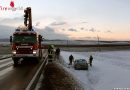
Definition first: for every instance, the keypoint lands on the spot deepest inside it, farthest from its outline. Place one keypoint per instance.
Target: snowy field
(83, 42)
(110, 70)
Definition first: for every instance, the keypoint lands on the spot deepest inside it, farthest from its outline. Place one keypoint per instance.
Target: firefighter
(90, 60)
(58, 52)
(51, 52)
(71, 58)
(50, 49)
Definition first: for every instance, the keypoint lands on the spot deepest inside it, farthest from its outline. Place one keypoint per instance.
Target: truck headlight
(34, 52)
(14, 52)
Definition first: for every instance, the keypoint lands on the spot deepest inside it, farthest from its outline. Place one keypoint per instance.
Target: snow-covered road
(110, 70)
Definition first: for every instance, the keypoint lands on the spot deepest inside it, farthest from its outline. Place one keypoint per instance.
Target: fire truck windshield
(24, 39)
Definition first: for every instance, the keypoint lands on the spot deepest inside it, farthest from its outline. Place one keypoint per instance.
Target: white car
(80, 64)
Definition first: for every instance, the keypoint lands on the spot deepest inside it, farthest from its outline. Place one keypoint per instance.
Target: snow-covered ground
(5, 56)
(110, 70)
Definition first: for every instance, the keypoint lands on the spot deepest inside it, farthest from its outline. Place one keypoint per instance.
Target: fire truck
(25, 41)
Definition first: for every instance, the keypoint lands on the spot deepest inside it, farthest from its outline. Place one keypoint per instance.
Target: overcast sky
(75, 19)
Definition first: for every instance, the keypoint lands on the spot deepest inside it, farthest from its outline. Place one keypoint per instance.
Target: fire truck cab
(25, 44)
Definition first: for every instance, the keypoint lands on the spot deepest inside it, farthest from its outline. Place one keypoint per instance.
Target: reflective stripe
(24, 55)
(24, 46)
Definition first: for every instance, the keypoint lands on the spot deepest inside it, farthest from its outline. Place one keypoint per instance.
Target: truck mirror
(10, 39)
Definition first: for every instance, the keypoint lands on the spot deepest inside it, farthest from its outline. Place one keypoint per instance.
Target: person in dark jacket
(58, 51)
(90, 60)
(71, 58)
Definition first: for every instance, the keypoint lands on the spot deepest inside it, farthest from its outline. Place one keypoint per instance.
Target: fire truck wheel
(15, 61)
(36, 60)
(40, 55)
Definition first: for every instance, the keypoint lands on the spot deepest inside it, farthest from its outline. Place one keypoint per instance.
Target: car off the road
(80, 64)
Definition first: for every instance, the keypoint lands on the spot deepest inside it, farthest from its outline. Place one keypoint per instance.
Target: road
(17, 78)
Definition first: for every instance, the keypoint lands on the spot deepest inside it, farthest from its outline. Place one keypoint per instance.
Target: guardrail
(33, 82)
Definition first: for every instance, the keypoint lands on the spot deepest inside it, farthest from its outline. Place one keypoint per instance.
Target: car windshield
(81, 61)
(24, 39)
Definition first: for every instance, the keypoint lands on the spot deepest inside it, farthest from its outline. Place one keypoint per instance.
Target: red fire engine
(25, 42)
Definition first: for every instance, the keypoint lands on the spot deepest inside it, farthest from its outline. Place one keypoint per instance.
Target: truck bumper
(24, 55)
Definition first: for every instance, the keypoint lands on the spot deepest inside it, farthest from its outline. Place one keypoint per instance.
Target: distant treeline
(4, 40)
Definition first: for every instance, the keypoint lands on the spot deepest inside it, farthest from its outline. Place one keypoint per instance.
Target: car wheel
(75, 68)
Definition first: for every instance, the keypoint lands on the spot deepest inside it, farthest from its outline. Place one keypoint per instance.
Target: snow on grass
(110, 70)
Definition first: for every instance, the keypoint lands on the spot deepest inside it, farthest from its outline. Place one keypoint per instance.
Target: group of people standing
(71, 59)
(52, 53)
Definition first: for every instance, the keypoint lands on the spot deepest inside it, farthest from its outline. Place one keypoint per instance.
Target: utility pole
(98, 43)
